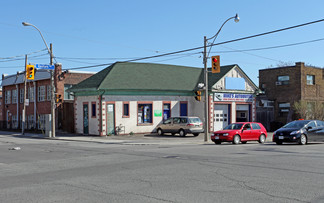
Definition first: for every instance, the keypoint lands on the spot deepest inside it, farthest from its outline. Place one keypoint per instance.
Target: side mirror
(309, 127)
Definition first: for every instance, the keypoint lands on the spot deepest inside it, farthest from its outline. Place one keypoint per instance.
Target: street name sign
(45, 66)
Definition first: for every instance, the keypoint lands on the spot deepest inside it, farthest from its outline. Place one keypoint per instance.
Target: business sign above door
(233, 97)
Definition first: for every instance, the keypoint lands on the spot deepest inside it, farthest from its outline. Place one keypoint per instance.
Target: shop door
(85, 119)
(166, 111)
(183, 109)
(110, 119)
(220, 117)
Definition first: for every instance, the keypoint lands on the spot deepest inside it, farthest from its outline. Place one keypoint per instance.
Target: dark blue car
(300, 131)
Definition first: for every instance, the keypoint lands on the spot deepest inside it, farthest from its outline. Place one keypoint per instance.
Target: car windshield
(296, 124)
(234, 126)
(194, 120)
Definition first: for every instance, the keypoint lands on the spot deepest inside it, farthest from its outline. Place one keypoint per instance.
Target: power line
(273, 47)
(201, 47)
(23, 55)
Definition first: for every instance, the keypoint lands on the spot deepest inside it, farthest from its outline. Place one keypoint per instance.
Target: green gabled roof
(130, 76)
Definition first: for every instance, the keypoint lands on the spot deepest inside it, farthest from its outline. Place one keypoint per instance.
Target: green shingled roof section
(93, 81)
(149, 77)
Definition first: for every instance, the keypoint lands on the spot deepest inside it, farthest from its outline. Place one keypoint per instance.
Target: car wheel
(262, 138)
(236, 139)
(244, 142)
(302, 140)
(159, 131)
(196, 134)
(182, 133)
(218, 142)
(279, 143)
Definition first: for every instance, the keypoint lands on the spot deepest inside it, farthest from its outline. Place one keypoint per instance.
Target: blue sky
(85, 33)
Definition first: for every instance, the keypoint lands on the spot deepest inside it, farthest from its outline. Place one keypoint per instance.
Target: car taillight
(190, 124)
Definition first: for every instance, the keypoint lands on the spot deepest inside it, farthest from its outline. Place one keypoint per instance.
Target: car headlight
(225, 134)
(295, 132)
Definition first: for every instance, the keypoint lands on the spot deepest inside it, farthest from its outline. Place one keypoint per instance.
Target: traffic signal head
(215, 64)
(198, 95)
(30, 72)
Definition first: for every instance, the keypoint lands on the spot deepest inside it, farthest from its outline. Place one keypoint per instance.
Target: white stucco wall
(195, 108)
(78, 109)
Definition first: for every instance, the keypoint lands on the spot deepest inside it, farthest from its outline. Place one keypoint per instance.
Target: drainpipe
(101, 116)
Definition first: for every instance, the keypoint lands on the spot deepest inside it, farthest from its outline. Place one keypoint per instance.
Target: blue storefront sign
(233, 97)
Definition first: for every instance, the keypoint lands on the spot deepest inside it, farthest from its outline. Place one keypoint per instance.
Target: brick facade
(295, 89)
(38, 107)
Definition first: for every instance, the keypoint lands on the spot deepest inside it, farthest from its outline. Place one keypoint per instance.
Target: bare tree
(309, 110)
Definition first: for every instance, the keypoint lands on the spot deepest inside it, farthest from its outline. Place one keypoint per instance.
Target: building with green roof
(136, 97)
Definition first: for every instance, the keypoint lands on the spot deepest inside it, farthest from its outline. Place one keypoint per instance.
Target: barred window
(21, 95)
(8, 97)
(41, 121)
(49, 93)
(14, 96)
(41, 93)
(31, 94)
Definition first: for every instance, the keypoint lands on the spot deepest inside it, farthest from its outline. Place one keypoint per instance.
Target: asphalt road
(135, 170)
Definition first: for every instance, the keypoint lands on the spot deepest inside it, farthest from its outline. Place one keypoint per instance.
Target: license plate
(281, 137)
(216, 137)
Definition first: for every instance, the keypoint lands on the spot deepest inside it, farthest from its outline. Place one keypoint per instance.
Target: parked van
(181, 125)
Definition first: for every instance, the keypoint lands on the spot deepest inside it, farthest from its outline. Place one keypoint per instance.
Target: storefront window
(144, 113)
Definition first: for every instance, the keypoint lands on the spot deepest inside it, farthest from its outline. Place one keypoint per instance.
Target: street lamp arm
(220, 29)
(236, 19)
(28, 24)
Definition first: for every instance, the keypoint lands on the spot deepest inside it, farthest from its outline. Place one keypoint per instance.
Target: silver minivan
(181, 125)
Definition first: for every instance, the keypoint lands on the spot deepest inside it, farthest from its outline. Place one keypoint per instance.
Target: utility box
(48, 126)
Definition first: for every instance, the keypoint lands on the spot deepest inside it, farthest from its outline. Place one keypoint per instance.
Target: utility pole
(25, 89)
(206, 90)
(52, 92)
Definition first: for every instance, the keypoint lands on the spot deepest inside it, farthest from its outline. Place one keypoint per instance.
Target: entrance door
(110, 119)
(166, 111)
(220, 117)
(183, 109)
(85, 119)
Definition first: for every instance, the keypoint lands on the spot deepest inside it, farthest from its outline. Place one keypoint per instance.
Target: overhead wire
(209, 45)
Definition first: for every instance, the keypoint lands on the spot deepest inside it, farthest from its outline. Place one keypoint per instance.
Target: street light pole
(205, 57)
(52, 79)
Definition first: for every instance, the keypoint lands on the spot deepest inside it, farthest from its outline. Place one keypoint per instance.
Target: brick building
(282, 87)
(39, 99)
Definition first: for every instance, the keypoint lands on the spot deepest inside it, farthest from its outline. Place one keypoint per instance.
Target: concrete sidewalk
(136, 139)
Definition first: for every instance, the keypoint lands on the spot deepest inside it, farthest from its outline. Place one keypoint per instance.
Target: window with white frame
(310, 79)
(8, 97)
(41, 93)
(68, 95)
(31, 94)
(30, 122)
(21, 95)
(41, 121)
(14, 122)
(283, 79)
(49, 93)
(14, 96)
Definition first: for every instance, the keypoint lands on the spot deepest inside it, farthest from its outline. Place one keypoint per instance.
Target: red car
(240, 132)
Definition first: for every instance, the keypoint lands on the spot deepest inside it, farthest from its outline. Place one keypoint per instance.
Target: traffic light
(58, 98)
(30, 72)
(198, 95)
(215, 64)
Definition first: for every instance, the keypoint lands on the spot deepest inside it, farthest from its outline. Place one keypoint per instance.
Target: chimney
(300, 64)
